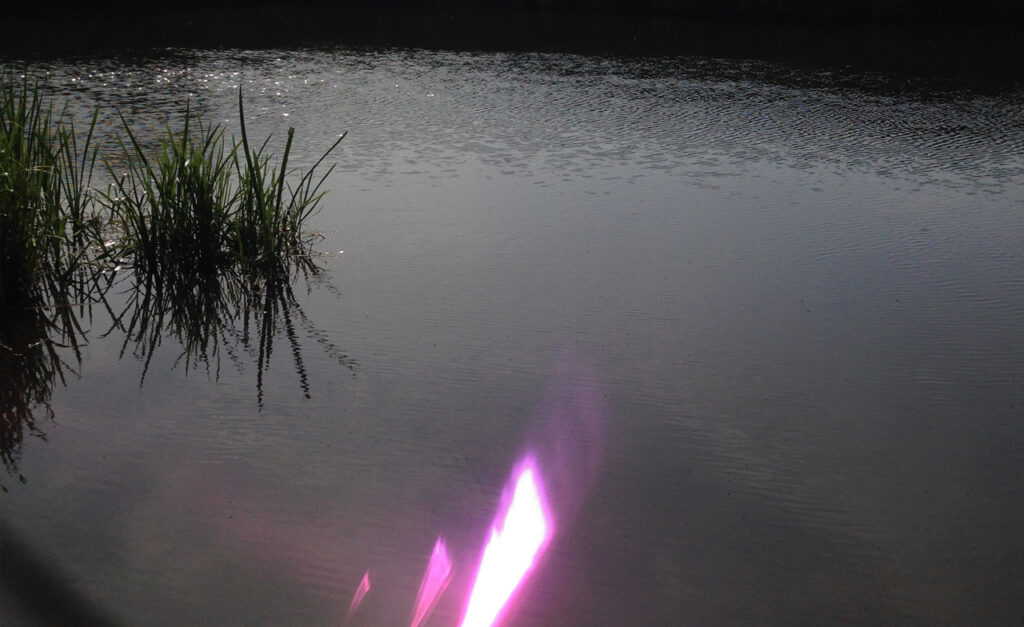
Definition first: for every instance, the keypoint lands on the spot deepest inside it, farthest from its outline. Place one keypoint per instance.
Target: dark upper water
(772, 317)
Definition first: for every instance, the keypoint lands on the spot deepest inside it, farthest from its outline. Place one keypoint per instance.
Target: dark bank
(968, 45)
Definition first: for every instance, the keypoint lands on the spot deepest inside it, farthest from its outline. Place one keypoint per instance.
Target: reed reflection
(209, 312)
(205, 235)
(41, 339)
(219, 310)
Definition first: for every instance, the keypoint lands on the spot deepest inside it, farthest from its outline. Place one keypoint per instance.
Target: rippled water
(799, 294)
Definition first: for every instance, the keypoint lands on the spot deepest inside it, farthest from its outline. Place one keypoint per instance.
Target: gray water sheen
(798, 296)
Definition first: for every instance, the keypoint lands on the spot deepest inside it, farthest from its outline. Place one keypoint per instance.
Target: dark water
(793, 299)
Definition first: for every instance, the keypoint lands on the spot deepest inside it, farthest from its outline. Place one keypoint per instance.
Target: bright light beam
(364, 587)
(516, 542)
(435, 581)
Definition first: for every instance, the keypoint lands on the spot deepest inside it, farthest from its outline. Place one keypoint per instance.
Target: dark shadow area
(837, 11)
(40, 588)
(956, 47)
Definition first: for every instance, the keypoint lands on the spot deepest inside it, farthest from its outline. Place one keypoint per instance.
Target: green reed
(205, 201)
(46, 222)
(49, 246)
(210, 231)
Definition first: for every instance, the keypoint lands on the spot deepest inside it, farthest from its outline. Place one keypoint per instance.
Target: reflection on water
(204, 311)
(30, 365)
(41, 340)
(207, 310)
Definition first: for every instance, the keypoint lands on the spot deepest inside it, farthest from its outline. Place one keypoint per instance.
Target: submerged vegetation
(205, 234)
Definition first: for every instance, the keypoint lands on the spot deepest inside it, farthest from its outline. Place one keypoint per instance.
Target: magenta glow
(517, 539)
(434, 583)
(361, 591)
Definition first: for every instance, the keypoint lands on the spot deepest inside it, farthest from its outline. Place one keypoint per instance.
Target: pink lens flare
(361, 591)
(435, 581)
(518, 537)
(568, 436)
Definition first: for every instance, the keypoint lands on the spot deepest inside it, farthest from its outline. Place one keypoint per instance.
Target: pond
(757, 326)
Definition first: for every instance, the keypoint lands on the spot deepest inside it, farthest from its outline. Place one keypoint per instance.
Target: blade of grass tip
(88, 142)
(245, 147)
(305, 200)
(181, 157)
(309, 173)
(265, 187)
(284, 169)
(87, 174)
(149, 233)
(311, 198)
(128, 210)
(81, 175)
(212, 144)
(185, 137)
(256, 182)
(137, 148)
(225, 160)
(67, 148)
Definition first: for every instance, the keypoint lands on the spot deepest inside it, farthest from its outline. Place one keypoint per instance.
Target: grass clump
(209, 201)
(208, 230)
(46, 221)
(48, 235)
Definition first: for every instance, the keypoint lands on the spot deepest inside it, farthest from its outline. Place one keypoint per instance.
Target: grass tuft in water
(210, 232)
(204, 201)
(48, 267)
(46, 222)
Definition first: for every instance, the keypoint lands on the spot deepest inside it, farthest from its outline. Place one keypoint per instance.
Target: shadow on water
(42, 588)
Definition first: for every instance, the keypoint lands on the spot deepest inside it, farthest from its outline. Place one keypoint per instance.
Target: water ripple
(420, 113)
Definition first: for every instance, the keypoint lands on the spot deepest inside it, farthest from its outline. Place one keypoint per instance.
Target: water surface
(799, 294)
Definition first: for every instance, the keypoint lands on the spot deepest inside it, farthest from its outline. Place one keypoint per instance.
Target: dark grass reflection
(201, 240)
(41, 340)
(221, 311)
(49, 261)
(210, 313)
(214, 232)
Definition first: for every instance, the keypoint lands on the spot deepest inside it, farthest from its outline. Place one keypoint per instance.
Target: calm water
(778, 313)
